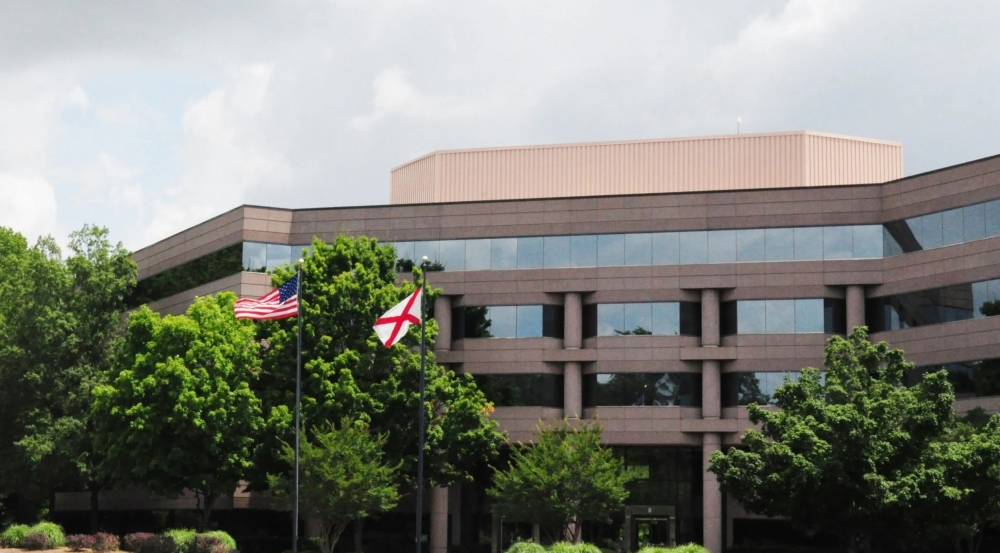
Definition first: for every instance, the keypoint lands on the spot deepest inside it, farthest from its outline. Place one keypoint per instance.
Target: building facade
(664, 313)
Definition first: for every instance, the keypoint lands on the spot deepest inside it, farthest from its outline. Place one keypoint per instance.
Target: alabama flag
(392, 326)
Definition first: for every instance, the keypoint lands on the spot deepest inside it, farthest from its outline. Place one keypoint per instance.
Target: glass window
(666, 318)
(980, 291)
(553, 321)
(642, 389)
(477, 255)
(638, 249)
(666, 248)
(690, 318)
(304, 251)
(992, 217)
(890, 246)
(694, 247)
(556, 251)
(722, 246)
(638, 319)
(750, 245)
(838, 243)
(610, 319)
(868, 241)
(779, 317)
(452, 254)
(522, 390)
(610, 250)
(952, 227)
(584, 250)
(750, 317)
(503, 254)
(278, 255)
(404, 250)
(974, 220)
(925, 307)
(202, 270)
(529, 321)
(809, 315)
(502, 321)
(931, 227)
(808, 243)
(779, 243)
(426, 248)
(255, 257)
(530, 252)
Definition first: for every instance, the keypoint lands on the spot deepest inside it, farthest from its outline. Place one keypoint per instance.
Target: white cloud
(395, 96)
(27, 204)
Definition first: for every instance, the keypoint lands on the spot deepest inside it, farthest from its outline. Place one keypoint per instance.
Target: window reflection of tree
(637, 331)
(477, 322)
(750, 390)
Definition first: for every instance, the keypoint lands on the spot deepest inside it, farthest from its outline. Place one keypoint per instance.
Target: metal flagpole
(420, 424)
(298, 402)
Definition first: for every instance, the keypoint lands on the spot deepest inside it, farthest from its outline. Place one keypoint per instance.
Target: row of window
(944, 228)
(507, 321)
(787, 316)
(970, 378)
(637, 319)
(958, 302)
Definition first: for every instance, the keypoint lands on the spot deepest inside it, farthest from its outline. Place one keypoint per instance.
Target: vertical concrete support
(573, 390)
(855, 307)
(442, 314)
(709, 317)
(455, 506)
(439, 520)
(573, 321)
(712, 506)
(711, 390)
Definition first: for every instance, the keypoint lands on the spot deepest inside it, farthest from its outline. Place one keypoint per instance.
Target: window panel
(584, 250)
(666, 248)
(722, 246)
(750, 317)
(779, 244)
(207, 268)
(529, 321)
(404, 250)
(642, 389)
(610, 319)
(693, 247)
(838, 243)
(452, 254)
(278, 255)
(992, 217)
(931, 231)
(477, 255)
(666, 318)
(750, 245)
(502, 321)
(890, 246)
(522, 390)
(531, 252)
(638, 249)
(690, 318)
(426, 248)
(808, 243)
(638, 319)
(952, 227)
(610, 250)
(868, 241)
(503, 254)
(255, 256)
(553, 321)
(556, 251)
(974, 221)
(980, 291)
(809, 315)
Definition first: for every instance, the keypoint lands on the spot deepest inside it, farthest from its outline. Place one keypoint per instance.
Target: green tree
(853, 456)
(564, 480)
(179, 413)
(343, 477)
(347, 372)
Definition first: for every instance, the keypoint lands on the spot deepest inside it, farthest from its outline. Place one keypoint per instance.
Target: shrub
(134, 542)
(52, 531)
(12, 536)
(228, 540)
(159, 544)
(79, 542)
(183, 537)
(526, 547)
(208, 544)
(104, 541)
(689, 548)
(36, 541)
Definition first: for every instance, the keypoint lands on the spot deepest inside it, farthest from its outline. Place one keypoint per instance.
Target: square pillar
(712, 502)
(573, 321)
(442, 314)
(439, 520)
(711, 390)
(709, 317)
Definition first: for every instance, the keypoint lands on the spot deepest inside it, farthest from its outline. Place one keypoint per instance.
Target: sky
(150, 117)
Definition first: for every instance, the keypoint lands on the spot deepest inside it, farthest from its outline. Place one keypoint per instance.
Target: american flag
(280, 303)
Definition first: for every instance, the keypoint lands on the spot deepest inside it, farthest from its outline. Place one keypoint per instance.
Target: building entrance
(649, 525)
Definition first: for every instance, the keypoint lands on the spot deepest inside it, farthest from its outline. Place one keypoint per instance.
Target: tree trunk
(205, 502)
(359, 526)
(331, 534)
(95, 509)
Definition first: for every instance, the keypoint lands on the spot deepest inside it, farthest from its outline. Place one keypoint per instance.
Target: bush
(36, 541)
(159, 544)
(79, 542)
(134, 542)
(104, 541)
(52, 531)
(566, 547)
(526, 547)
(689, 548)
(229, 542)
(183, 537)
(11, 537)
(208, 544)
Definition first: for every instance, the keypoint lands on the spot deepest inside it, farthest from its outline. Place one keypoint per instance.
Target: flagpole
(420, 418)
(298, 403)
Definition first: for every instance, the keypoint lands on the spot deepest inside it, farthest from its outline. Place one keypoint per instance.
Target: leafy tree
(343, 477)
(565, 479)
(179, 413)
(348, 373)
(854, 456)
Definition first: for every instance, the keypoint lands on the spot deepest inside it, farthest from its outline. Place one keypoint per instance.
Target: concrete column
(712, 506)
(573, 321)
(573, 390)
(709, 317)
(455, 505)
(442, 313)
(439, 520)
(711, 390)
(855, 307)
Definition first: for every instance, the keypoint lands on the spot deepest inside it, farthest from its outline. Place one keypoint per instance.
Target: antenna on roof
(738, 125)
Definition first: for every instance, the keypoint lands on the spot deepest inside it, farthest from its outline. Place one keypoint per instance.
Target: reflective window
(529, 321)
(958, 302)
(808, 243)
(638, 249)
(426, 248)
(969, 378)
(945, 228)
(208, 268)
(868, 241)
(693, 247)
(669, 476)
(507, 321)
(637, 319)
(780, 244)
(642, 389)
(783, 316)
(255, 256)
(583, 250)
(666, 248)
(838, 243)
(974, 222)
(611, 250)
(722, 246)
(755, 387)
(750, 245)
(952, 227)
(502, 321)
(557, 251)
(452, 254)
(666, 318)
(530, 252)
(504, 253)
(992, 217)
(278, 255)
(477, 255)
(404, 250)
(522, 390)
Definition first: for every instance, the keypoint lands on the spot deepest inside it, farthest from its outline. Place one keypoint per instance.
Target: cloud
(27, 204)
(395, 96)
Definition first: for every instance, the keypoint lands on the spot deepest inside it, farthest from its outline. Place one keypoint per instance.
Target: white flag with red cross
(392, 326)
